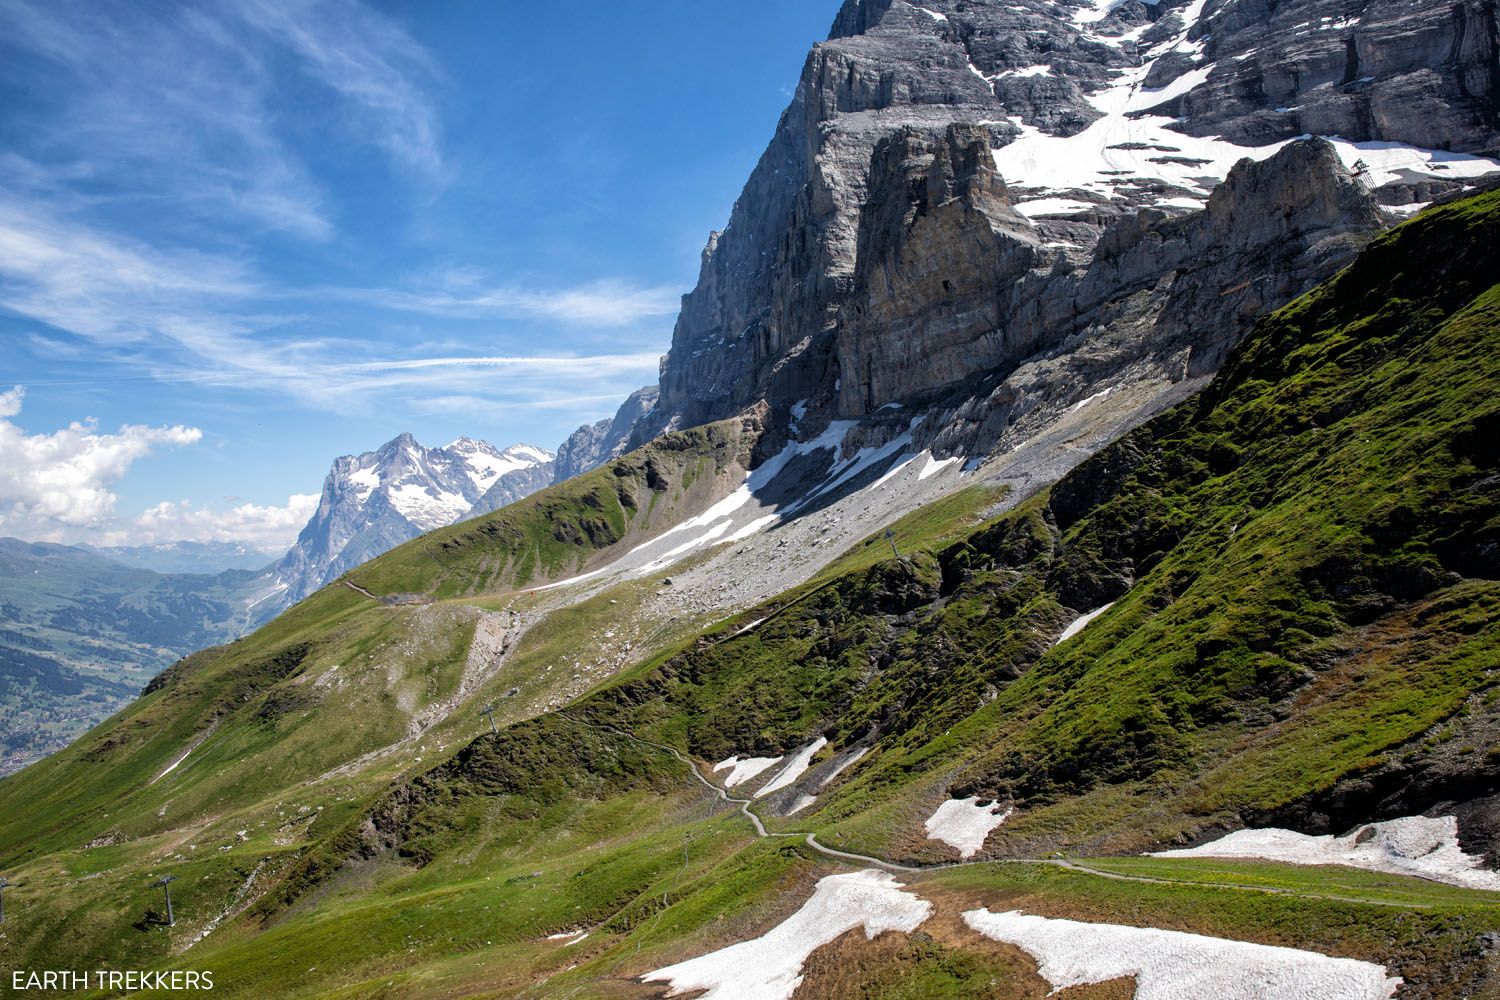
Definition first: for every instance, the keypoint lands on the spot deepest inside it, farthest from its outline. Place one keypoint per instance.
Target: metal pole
(3, 886)
(489, 712)
(166, 887)
(890, 536)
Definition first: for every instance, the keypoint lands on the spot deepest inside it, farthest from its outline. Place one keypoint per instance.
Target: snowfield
(1080, 623)
(1122, 152)
(770, 967)
(964, 824)
(1171, 965)
(1413, 845)
(794, 769)
(743, 768)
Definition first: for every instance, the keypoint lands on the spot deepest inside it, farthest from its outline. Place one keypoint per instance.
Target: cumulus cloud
(60, 483)
(267, 527)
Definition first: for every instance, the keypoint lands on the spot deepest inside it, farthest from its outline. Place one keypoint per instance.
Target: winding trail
(1073, 866)
(354, 586)
(1069, 865)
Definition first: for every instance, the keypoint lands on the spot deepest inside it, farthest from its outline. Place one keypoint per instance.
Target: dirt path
(812, 841)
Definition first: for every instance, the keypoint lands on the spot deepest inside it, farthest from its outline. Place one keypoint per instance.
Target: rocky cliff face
(960, 191)
(375, 501)
(594, 444)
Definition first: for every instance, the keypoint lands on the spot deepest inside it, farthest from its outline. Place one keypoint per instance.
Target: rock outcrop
(591, 445)
(963, 190)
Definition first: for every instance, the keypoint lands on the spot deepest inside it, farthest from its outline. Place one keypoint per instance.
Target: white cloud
(599, 303)
(266, 527)
(58, 484)
(586, 367)
(172, 100)
(370, 62)
(188, 316)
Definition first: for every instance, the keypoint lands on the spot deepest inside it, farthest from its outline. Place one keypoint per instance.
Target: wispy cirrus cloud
(187, 102)
(200, 317)
(599, 303)
(376, 67)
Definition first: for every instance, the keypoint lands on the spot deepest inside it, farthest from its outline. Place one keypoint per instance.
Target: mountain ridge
(1189, 529)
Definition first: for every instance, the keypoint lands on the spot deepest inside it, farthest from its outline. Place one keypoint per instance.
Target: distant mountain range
(187, 557)
(82, 628)
(374, 501)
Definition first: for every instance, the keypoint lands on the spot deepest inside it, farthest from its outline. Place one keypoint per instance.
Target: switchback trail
(1064, 863)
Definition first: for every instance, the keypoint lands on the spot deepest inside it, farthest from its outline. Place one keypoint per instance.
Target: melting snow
(1081, 622)
(933, 14)
(1171, 965)
(935, 465)
(803, 801)
(964, 824)
(427, 510)
(843, 766)
(770, 967)
(1089, 399)
(1094, 160)
(1414, 845)
(794, 768)
(364, 481)
(744, 768)
(1053, 206)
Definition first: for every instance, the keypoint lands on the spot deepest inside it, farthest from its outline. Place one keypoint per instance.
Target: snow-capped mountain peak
(374, 501)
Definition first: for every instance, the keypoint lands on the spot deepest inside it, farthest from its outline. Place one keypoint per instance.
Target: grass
(1302, 600)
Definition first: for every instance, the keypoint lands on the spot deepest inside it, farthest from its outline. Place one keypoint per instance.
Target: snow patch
(748, 627)
(794, 768)
(1172, 965)
(941, 18)
(965, 823)
(364, 481)
(1414, 845)
(427, 508)
(1089, 399)
(744, 768)
(803, 801)
(1053, 206)
(770, 967)
(1081, 622)
(935, 465)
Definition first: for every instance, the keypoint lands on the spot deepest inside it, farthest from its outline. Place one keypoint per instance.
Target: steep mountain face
(957, 188)
(80, 635)
(1082, 484)
(1275, 602)
(594, 444)
(375, 501)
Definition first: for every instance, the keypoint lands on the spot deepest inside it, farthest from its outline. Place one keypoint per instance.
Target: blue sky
(238, 239)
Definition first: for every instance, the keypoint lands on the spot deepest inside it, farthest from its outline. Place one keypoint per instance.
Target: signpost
(166, 887)
(489, 712)
(890, 536)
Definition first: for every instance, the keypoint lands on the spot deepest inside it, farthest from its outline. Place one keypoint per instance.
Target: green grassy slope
(560, 531)
(1303, 565)
(1301, 562)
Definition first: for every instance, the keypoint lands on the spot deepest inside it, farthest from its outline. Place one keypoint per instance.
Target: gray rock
(876, 257)
(591, 445)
